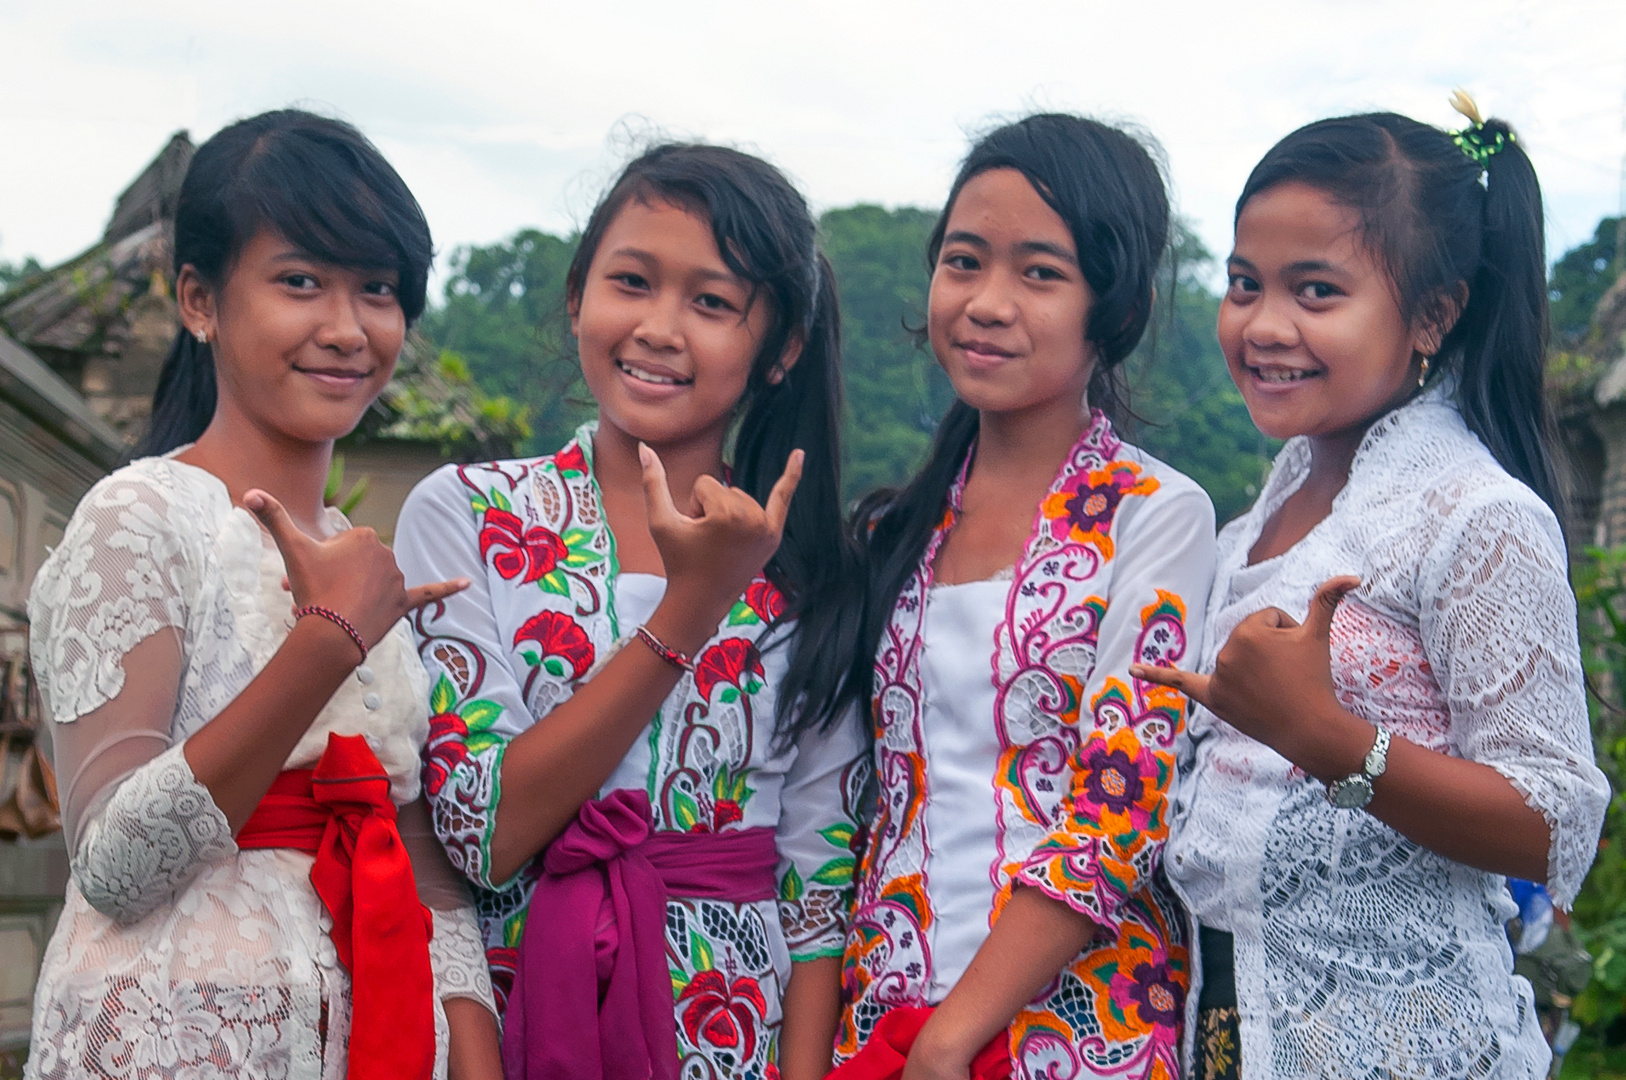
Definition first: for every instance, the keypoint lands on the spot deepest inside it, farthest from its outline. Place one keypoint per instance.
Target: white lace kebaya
(177, 955)
(1360, 954)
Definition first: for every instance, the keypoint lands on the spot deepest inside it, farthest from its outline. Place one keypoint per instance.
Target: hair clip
(1472, 139)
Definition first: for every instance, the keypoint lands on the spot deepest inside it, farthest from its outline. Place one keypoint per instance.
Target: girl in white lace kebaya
(1394, 714)
(238, 712)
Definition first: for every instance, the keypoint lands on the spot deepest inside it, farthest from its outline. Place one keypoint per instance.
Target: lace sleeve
(1499, 626)
(1114, 821)
(456, 950)
(476, 704)
(818, 819)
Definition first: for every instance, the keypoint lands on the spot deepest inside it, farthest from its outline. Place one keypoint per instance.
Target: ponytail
(1504, 329)
(184, 402)
(1444, 213)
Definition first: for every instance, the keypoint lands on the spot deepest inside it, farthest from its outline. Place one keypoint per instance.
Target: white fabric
(176, 954)
(1359, 953)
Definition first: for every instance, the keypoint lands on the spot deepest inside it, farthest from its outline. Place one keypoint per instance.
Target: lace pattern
(1359, 953)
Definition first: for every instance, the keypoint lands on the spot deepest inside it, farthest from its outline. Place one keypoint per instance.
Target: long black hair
(324, 188)
(1106, 184)
(1439, 221)
(766, 235)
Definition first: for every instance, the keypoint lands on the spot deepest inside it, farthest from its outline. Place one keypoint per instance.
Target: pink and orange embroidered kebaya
(1013, 748)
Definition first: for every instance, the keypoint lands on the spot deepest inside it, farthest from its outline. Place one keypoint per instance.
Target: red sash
(883, 1056)
(341, 812)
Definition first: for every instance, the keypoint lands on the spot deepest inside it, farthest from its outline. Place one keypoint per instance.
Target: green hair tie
(1472, 139)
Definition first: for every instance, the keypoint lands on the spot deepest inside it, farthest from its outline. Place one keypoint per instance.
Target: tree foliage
(1580, 278)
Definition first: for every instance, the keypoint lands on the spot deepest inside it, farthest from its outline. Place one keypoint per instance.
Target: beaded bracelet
(337, 620)
(665, 651)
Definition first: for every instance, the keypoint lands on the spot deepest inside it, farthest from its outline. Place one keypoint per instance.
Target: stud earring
(1422, 376)
(202, 336)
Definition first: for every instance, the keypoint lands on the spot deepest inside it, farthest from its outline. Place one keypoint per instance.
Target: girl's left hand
(1272, 679)
(925, 1064)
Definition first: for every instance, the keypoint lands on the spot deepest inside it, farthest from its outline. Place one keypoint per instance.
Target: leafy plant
(351, 499)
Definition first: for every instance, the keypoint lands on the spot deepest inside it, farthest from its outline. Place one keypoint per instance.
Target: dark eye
(1240, 284)
(299, 281)
(1046, 273)
(1319, 290)
(628, 279)
(961, 262)
(713, 302)
(380, 288)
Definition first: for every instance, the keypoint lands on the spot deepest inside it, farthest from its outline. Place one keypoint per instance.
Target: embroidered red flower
(557, 636)
(446, 750)
(728, 661)
(762, 598)
(725, 812)
(503, 962)
(571, 460)
(723, 1015)
(533, 552)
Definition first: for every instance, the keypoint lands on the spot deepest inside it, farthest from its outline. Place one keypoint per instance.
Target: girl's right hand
(711, 558)
(352, 573)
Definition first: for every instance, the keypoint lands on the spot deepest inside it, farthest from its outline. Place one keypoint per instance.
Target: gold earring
(1422, 376)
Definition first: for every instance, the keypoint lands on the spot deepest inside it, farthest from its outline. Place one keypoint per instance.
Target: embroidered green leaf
(741, 614)
(479, 505)
(443, 696)
(679, 981)
(514, 929)
(532, 657)
(720, 783)
(481, 741)
(499, 502)
(700, 952)
(479, 715)
(837, 871)
(752, 686)
(684, 810)
(554, 666)
(729, 696)
(790, 886)
(555, 582)
(579, 542)
(840, 834)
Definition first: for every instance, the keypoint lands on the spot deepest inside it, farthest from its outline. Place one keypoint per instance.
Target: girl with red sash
(237, 706)
(639, 752)
(1012, 879)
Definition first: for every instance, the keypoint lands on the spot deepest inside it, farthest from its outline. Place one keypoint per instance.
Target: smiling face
(1009, 305)
(1310, 325)
(301, 347)
(666, 331)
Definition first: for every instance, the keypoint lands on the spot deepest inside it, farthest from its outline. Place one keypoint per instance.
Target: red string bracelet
(665, 651)
(337, 620)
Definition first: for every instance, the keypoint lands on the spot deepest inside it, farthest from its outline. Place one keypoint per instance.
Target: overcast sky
(502, 115)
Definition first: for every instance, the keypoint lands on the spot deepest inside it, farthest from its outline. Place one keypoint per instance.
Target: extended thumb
(1325, 604)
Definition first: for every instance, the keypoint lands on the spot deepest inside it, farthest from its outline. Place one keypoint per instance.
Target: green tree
(1580, 278)
(12, 273)
(503, 314)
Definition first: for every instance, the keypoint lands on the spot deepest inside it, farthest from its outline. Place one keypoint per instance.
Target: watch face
(1350, 793)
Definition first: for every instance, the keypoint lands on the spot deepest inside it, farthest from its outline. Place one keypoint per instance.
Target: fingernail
(645, 453)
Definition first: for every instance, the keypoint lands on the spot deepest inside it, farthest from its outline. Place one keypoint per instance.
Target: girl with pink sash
(642, 751)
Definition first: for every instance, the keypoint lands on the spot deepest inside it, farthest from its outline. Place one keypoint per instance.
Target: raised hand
(711, 557)
(352, 573)
(1273, 677)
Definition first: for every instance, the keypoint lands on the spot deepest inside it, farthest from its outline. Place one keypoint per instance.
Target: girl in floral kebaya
(640, 753)
(1010, 896)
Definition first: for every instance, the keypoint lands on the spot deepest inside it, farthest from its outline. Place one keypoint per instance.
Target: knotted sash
(592, 996)
(341, 812)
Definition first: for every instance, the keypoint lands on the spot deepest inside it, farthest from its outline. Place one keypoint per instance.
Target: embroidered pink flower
(1082, 511)
(532, 552)
(1117, 784)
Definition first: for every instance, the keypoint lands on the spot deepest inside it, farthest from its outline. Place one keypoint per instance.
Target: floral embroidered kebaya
(1013, 748)
(548, 604)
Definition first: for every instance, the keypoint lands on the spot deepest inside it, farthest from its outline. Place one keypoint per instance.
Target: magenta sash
(592, 995)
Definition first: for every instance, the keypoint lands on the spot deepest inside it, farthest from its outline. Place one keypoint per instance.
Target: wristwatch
(1355, 790)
